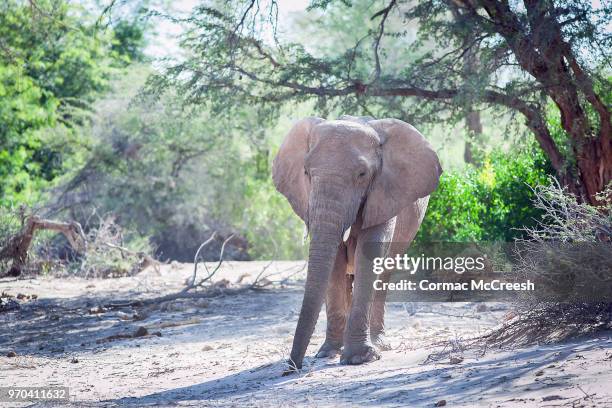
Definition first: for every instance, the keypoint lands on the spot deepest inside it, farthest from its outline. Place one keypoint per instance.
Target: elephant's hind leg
(337, 304)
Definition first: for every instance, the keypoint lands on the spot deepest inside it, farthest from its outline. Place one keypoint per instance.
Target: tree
(54, 61)
(534, 58)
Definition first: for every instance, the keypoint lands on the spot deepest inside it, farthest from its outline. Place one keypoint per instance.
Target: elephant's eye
(363, 173)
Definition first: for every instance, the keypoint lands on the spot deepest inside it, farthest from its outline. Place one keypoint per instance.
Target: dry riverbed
(229, 350)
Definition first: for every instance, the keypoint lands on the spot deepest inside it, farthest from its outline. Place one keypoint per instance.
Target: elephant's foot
(358, 354)
(291, 368)
(329, 349)
(380, 341)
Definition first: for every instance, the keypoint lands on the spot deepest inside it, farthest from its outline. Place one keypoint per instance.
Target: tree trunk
(541, 50)
(472, 119)
(474, 127)
(594, 159)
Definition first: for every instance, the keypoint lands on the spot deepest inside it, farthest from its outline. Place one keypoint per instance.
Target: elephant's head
(329, 171)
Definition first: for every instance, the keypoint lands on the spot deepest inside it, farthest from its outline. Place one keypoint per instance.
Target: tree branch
(381, 30)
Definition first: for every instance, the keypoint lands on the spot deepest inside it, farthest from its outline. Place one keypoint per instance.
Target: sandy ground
(230, 350)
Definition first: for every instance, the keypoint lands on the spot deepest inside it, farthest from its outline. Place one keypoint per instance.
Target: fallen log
(17, 247)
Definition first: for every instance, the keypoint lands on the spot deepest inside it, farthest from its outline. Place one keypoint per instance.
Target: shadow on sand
(422, 385)
(51, 327)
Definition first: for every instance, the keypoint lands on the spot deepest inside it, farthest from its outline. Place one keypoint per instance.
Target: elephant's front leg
(337, 303)
(372, 242)
(407, 224)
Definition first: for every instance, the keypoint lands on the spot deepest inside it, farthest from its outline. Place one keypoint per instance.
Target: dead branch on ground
(262, 281)
(196, 258)
(187, 292)
(17, 247)
(192, 284)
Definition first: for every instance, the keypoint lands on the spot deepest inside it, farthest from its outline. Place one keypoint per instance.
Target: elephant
(353, 181)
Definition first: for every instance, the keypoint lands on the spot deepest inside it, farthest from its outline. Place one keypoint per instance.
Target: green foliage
(373, 57)
(129, 40)
(57, 46)
(176, 174)
(426, 62)
(269, 223)
(136, 167)
(9, 224)
(196, 158)
(488, 203)
(22, 113)
(53, 63)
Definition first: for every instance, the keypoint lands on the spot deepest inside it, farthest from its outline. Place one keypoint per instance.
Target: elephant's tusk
(305, 235)
(346, 235)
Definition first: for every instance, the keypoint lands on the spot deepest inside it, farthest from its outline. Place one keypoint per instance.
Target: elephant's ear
(288, 167)
(410, 170)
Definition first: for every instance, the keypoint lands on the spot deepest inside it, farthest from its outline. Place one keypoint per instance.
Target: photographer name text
(471, 285)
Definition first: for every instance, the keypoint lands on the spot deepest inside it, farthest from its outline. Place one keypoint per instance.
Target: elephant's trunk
(326, 223)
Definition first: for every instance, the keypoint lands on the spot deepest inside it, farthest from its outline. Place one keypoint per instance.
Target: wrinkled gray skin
(374, 176)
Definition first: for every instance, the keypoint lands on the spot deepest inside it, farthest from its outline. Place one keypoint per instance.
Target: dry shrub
(552, 322)
(567, 220)
(570, 248)
(572, 245)
(107, 251)
(107, 254)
